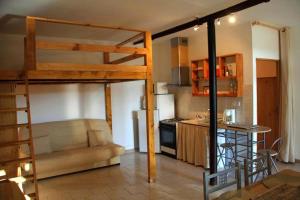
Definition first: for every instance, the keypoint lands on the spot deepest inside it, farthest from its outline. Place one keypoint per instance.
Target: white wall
(233, 39)
(265, 44)
(73, 101)
(65, 101)
(125, 100)
(294, 64)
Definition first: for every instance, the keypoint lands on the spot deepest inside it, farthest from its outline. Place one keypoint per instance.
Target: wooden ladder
(19, 161)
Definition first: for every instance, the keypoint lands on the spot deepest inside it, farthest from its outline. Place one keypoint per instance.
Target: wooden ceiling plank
(84, 24)
(126, 58)
(68, 46)
(82, 75)
(135, 37)
(85, 67)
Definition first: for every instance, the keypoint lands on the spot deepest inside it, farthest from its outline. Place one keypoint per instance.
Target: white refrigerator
(141, 115)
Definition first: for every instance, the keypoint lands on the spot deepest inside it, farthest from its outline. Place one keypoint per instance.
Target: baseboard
(130, 151)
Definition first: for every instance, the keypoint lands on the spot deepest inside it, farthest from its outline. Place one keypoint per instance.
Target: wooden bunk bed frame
(110, 71)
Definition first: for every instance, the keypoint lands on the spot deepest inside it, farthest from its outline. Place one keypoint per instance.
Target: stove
(168, 137)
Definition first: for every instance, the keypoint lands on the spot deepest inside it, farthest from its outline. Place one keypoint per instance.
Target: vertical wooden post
(107, 89)
(108, 104)
(149, 110)
(106, 58)
(30, 44)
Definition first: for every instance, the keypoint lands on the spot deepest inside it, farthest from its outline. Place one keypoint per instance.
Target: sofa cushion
(69, 159)
(41, 146)
(98, 124)
(68, 134)
(98, 138)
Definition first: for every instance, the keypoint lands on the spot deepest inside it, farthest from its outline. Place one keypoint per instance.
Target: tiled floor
(128, 181)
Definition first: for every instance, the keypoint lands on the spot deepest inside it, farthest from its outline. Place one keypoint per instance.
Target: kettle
(229, 116)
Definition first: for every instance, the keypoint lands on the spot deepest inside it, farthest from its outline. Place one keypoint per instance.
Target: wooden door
(268, 97)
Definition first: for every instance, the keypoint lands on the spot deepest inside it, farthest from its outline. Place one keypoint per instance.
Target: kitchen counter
(193, 144)
(243, 127)
(193, 140)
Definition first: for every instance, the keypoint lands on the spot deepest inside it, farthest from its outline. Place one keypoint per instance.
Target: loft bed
(109, 71)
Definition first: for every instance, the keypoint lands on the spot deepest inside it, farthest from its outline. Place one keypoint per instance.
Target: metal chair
(223, 149)
(257, 169)
(274, 152)
(224, 178)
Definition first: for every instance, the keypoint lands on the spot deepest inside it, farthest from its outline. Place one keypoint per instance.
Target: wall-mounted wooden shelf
(229, 76)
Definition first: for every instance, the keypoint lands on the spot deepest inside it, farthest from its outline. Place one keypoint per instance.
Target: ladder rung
(29, 177)
(18, 160)
(14, 126)
(13, 94)
(13, 109)
(14, 143)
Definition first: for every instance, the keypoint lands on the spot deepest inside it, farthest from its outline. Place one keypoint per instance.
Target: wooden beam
(126, 58)
(130, 39)
(9, 74)
(108, 109)
(61, 81)
(149, 111)
(85, 75)
(68, 46)
(83, 67)
(106, 58)
(30, 44)
(84, 24)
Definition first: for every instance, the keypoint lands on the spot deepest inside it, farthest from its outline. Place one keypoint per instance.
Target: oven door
(168, 139)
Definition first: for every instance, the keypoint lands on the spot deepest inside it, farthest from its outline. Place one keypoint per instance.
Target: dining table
(284, 185)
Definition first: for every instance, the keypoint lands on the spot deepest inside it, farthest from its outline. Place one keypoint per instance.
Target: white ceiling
(153, 15)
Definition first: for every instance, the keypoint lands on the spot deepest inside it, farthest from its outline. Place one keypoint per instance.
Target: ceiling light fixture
(218, 22)
(231, 19)
(196, 28)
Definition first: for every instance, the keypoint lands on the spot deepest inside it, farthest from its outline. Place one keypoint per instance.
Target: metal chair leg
(274, 164)
(220, 156)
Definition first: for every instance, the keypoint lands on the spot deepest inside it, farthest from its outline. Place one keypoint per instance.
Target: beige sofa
(70, 146)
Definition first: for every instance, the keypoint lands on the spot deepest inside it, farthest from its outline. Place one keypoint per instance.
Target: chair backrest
(278, 143)
(223, 178)
(257, 169)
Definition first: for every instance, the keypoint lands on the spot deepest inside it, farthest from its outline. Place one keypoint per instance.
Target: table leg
(251, 153)
(264, 142)
(235, 147)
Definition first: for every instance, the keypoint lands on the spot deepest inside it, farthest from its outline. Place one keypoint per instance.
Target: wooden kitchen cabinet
(229, 72)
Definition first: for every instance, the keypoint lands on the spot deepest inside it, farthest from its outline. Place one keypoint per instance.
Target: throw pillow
(97, 138)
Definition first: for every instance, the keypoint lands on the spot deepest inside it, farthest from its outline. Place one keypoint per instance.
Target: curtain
(287, 129)
(193, 144)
